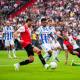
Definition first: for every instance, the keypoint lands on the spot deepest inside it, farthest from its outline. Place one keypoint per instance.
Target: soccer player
(72, 47)
(44, 35)
(55, 44)
(8, 38)
(53, 40)
(26, 42)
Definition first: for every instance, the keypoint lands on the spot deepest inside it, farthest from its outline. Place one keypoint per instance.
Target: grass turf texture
(36, 71)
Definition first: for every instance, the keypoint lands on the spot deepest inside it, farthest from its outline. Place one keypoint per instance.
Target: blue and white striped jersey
(44, 34)
(52, 31)
(8, 32)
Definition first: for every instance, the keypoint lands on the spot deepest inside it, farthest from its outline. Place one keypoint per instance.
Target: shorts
(46, 47)
(64, 47)
(29, 50)
(78, 50)
(55, 45)
(9, 42)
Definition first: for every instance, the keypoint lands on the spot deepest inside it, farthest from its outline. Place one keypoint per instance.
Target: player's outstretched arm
(15, 34)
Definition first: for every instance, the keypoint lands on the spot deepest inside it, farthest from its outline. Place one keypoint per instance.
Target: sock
(24, 62)
(47, 56)
(14, 53)
(42, 59)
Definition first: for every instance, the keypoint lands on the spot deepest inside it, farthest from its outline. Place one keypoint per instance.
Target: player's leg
(66, 53)
(56, 50)
(38, 51)
(13, 48)
(48, 55)
(55, 55)
(78, 52)
(75, 64)
(48, 52)
(7, 46)
(29, 50)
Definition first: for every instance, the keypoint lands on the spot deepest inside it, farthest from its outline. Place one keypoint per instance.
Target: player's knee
(50, 53)
(39, 52)
(31, 59)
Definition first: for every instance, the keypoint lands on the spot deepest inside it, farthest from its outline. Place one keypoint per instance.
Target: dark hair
(49, 20)
(43, 19)
(28, 19)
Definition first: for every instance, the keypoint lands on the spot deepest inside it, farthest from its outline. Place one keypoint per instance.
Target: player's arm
(15, 34)
(58, 35)
(20, 30)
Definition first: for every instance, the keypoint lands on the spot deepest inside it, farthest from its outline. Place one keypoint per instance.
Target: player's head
(7, 23)
(49, 22)
(65, 37)
(43, 22)
(29, 22)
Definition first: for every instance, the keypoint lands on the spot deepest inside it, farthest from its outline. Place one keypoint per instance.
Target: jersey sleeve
(21, 29)
(38, 31)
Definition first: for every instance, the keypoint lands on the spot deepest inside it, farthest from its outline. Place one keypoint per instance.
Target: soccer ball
(53, 65)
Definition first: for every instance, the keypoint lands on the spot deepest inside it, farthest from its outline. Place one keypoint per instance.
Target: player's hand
(15, 36)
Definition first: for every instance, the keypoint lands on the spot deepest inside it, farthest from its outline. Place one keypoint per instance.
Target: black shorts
(29, 50)
(78, 50)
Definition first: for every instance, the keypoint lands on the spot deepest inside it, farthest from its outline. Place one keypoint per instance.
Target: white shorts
(9, 42)
(65, 48)
(46, 47)
(55, 45)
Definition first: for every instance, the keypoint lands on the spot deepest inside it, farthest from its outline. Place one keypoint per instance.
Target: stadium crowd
(65, 15)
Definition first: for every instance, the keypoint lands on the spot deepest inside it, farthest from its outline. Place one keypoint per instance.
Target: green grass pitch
(36, 71)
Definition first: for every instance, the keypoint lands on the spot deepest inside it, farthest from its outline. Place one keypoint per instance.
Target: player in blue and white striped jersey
(53, 40)
(55, 45)
(44, 35)
(8, 38)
